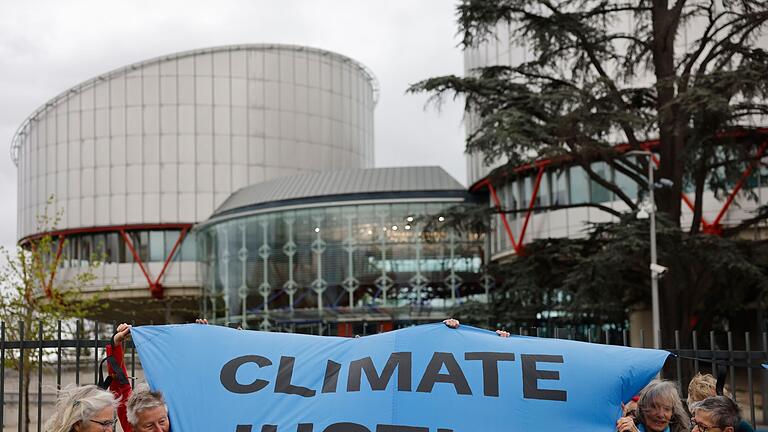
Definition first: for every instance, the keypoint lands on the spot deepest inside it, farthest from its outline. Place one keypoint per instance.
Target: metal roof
(343, 185)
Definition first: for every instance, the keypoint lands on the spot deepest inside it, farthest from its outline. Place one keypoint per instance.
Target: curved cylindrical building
(339, 248)
(134, 157)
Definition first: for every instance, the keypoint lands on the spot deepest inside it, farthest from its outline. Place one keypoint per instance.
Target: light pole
(656, 269)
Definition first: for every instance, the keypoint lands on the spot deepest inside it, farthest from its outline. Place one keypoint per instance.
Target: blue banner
(428, 378)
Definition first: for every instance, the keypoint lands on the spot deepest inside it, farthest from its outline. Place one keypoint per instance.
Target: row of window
(572, 185)
(568, 185)
(150, 246)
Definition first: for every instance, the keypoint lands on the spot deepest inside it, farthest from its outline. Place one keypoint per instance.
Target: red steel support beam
(168, 259)
(535, 193)
(136, 258)
(59, 250)
(47, 285)
(107, 229)
(517, 245)
(155, 286)
(501, 214)
(686, 200)
(715, 226)
(707, 227)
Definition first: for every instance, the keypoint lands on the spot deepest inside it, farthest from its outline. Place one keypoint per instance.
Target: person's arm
(122, 391)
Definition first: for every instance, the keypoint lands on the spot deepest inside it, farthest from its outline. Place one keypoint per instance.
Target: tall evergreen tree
(688, 73)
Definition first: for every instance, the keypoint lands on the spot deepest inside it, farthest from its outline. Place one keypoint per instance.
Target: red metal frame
(503, 217)
(714, 227)
(155, 286)
(517, 245)
(59, 250)
(620, 148)
(107, 228)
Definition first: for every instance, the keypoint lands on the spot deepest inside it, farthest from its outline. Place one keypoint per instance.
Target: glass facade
(269, 269)
(109, 247)
(559, 186)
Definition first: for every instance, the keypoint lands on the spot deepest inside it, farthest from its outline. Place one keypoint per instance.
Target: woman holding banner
(122, 388)
(658, 410)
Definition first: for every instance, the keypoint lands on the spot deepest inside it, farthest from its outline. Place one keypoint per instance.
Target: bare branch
(602, 207)
(746, 223)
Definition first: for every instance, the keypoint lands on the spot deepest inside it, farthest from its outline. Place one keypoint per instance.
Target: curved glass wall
(559, 186)
(563, 185)
(318, 264)
(109, 247)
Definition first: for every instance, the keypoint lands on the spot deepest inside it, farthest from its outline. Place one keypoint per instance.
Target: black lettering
(346, 427)
(228, 376)
(532, 375)
(397, 428)
(331, 380)
(249, 428)
(444, 430)
(490, 369)
(399, 360)
(454, 376)
(303, 427)
(283, 380)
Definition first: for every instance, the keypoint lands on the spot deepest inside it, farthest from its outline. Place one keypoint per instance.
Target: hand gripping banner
(428, 378)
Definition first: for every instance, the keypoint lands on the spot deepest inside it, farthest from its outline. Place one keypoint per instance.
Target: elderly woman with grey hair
(704, 386)
(658, 410)
(147, 412)
(83, 409)
(716, 414)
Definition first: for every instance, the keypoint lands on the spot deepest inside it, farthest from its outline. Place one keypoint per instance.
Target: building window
(579, 185)
(545, 192)
(156, 246)
(599, 194)
(527, 192)
(560, 187)
(626, 184)
(151, 246)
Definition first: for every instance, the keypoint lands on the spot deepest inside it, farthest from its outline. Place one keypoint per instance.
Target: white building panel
(137, 131)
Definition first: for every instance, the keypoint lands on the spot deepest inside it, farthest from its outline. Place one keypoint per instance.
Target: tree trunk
(699, 178)
(671, 137)
(674, 303)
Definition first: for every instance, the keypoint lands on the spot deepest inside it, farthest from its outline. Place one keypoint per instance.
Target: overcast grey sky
(49, 46)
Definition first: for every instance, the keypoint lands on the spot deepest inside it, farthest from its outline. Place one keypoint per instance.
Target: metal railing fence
(39, 364)
(50, 359)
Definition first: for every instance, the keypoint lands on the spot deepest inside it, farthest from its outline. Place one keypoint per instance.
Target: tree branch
(746, 223)
(565, 206)
(608, 185)
(627, 172)
(628, 130)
